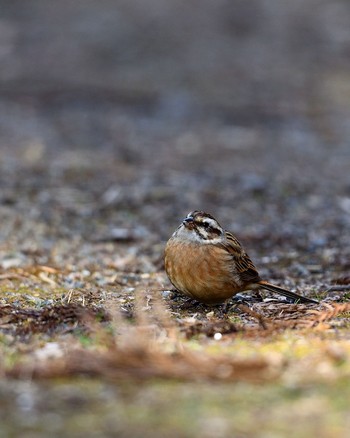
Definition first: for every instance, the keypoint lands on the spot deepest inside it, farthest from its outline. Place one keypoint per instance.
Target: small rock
(12, 261)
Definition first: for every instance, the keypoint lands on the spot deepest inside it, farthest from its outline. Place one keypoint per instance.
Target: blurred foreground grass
(85, 407)
(265, 382)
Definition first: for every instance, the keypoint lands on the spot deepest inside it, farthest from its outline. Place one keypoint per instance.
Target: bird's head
(200, 227)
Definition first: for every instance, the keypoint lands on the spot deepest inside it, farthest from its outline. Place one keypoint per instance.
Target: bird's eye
(206, 225)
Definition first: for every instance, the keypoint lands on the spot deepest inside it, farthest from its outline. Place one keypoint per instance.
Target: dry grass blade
(144, 362)
(331, 312)
(297, 317)
(261, 319)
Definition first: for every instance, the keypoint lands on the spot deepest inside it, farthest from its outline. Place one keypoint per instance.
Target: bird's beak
(188, 222)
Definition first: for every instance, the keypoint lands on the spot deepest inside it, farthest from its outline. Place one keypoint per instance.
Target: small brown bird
(207, 263)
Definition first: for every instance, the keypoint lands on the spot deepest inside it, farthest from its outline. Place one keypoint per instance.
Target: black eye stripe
(208, 227)
(216, 231)
(203, 224)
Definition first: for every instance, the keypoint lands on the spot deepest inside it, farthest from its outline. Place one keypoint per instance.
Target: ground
(94, 339)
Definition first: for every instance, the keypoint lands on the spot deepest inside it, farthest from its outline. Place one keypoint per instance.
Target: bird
(206, 263)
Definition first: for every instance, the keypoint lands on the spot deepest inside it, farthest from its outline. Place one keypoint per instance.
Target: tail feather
(285, 292)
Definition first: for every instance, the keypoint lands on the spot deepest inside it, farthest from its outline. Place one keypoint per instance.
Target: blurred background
(135, 112)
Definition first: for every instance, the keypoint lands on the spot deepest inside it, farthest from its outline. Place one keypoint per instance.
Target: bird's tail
(285, 292)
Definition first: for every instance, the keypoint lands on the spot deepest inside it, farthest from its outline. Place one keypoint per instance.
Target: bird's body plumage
(208, 264)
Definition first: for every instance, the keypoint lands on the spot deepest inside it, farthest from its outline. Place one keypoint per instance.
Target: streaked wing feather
(243, 264)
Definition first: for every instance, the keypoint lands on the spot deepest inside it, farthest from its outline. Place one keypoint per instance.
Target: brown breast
(200, 271)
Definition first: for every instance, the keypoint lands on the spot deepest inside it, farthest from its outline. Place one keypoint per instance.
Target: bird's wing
(244, 267)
